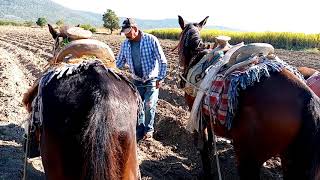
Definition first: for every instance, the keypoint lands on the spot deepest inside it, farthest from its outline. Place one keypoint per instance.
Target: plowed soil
(171, 155)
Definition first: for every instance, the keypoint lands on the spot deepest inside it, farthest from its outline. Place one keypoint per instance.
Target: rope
(211, 120)
(194, 86)
(26, 155)
(215, 143)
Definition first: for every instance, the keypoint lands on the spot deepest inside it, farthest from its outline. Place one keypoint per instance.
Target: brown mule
(277, 116)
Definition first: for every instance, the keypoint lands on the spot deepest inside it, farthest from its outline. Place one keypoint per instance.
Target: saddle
(78, 49)
(77, 46)
(246, 51)
(75, 33)
(242, 56)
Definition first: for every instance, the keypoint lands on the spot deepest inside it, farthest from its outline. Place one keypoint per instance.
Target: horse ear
(53, 32)
(181, 22)
(203, 22)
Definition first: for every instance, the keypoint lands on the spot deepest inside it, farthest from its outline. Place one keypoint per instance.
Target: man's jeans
(149, 94)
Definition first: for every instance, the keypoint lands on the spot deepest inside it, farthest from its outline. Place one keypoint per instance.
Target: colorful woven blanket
(221, 100)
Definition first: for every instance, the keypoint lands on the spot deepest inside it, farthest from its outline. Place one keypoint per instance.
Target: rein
(25, 164)
(31, 126)
(180, 48)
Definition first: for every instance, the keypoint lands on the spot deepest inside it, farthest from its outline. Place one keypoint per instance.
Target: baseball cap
(127, 25)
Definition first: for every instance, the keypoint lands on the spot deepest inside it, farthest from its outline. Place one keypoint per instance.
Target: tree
(60, 22)
(88, 27)
(110, 20)
(41, 21)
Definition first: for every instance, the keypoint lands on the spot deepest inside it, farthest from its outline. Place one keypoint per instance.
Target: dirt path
(23, 54)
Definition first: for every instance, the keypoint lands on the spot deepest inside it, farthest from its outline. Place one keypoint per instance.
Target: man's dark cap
(127, 25)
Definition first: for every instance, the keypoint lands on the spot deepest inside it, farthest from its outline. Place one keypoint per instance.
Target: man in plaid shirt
(148, 65)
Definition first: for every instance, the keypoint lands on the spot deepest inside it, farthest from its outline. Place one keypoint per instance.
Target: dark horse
(280, 115)
(87, 122)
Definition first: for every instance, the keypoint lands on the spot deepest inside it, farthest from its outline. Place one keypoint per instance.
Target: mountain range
(31, 10)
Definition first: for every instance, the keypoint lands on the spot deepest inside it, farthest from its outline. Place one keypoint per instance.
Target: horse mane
(191, 48)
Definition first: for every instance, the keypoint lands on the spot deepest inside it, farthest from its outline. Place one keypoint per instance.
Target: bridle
(185, 45)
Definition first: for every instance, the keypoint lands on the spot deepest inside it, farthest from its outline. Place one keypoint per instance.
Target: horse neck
(192, 59)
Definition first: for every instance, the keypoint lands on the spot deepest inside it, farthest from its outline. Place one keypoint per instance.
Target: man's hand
(158, 84)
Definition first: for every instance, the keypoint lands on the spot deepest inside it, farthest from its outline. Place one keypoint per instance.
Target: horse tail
(95, 140)
(99, 137)
(109, 133)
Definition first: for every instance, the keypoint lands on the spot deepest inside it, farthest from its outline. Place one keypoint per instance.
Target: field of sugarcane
(282, 40)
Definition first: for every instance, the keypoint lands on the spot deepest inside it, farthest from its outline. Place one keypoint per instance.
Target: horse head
(190, 43)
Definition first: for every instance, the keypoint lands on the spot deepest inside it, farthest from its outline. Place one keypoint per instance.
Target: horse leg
(301, 160)
(248, 166)
(206, 151)
(291, 170)
(189, 100)
(247, 142)
(296, 161)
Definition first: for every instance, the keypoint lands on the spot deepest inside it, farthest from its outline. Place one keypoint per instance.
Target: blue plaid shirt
(153, 61)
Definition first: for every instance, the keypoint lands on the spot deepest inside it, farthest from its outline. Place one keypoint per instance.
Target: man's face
(133, 33)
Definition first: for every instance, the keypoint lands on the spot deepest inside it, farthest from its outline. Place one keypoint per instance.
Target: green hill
(31, 10)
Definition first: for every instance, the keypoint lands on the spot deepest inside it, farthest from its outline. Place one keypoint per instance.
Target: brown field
(24, 53)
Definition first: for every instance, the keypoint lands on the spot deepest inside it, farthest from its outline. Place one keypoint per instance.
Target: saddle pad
(197, 72)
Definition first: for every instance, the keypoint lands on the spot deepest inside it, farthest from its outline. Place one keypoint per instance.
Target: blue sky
(251, 15)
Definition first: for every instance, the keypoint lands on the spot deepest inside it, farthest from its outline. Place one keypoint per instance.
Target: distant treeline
(16, 23)
(30, 23)
(282, 40)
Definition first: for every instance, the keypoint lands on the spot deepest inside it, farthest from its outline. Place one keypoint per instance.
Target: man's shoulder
(150, 37)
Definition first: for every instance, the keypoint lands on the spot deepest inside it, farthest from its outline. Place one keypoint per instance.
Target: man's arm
(161, 60)
(121, 59)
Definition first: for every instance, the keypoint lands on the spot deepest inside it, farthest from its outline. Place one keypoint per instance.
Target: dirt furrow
(15, 81)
